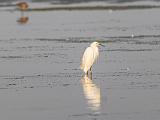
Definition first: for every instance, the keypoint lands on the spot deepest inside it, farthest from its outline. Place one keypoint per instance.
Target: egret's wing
(96, 54)
(88, 58)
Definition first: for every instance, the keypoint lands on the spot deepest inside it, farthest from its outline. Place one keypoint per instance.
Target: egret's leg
(91, 68)
(91, 76)
(87, 73)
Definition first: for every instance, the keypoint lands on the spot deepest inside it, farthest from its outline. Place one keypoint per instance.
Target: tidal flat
(40, 78)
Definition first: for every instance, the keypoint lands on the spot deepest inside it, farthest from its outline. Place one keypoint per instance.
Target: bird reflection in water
(91, 92)
(23, 20)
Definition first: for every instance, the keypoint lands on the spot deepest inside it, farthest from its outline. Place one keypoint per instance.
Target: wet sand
(40, 76)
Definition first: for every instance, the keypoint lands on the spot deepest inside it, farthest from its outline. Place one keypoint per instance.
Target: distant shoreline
(112, 7)
(96, 6)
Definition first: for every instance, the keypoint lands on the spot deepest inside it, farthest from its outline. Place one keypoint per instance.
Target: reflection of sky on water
(92, 93)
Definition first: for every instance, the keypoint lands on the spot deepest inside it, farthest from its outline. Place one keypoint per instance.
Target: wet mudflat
(40, 76)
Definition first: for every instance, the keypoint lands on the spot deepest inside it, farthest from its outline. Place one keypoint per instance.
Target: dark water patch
(15, 57)
(138, 40)
(12, 57)
(76, 40)
(127, 74)
(136, 36)
(135, 39)
(129, 50)
(85, 114)
(69, 75)
(40, 81)
(10, 84)
(14, 78)
(130, 80)
(47, 39)
(31, 47)
(65, 84)
(69, 40)
(25, 57)
(148, 42)
(88, 116)
(41, 55)
(145, 85)
(7, 5)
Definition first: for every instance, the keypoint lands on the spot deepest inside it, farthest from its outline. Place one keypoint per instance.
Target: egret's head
(96, 44)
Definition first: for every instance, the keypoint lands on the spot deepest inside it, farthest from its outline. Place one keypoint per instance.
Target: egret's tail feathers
(82, 66)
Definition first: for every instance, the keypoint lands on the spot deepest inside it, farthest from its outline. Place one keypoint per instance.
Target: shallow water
(40, 76)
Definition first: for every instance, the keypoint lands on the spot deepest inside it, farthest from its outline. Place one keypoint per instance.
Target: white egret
(90, 56)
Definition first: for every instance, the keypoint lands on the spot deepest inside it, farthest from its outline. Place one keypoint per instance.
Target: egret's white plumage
(90, 56)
